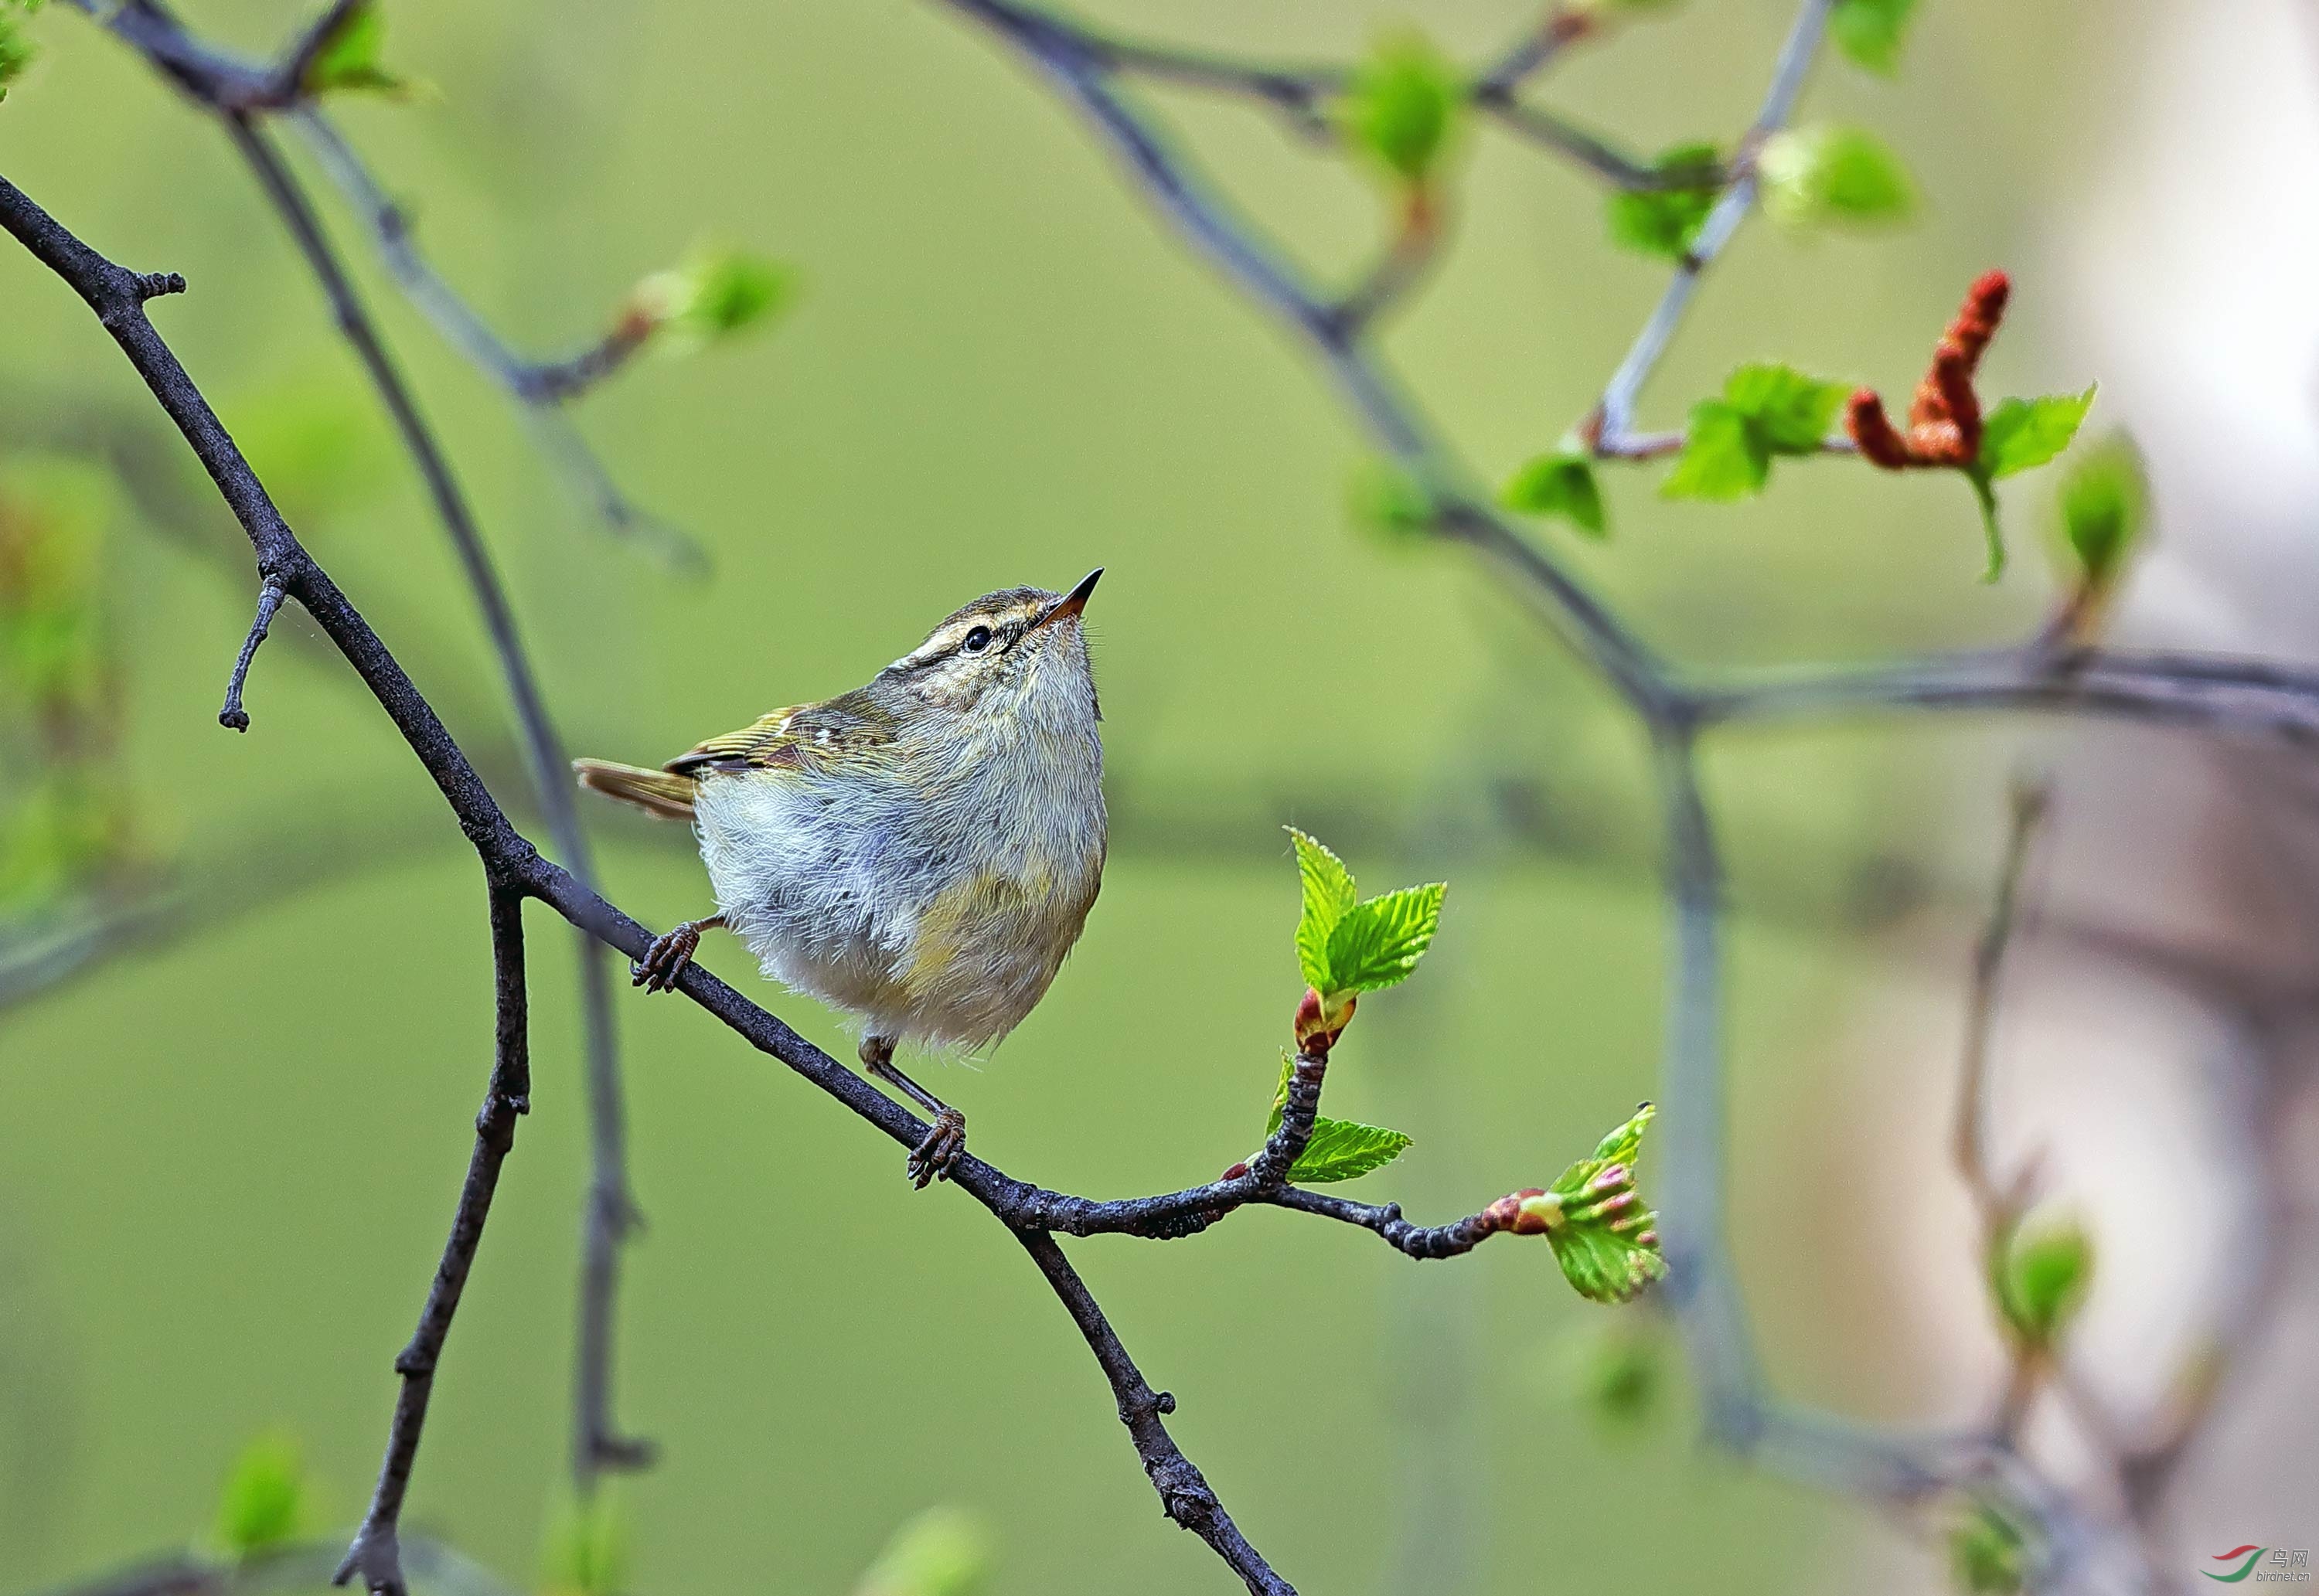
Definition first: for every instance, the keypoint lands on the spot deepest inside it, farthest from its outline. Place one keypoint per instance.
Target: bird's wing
(799, 737)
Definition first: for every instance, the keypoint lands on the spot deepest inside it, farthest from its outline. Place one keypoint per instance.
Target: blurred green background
(226, 1164)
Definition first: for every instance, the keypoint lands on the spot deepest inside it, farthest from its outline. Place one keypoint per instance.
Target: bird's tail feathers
(656, 792)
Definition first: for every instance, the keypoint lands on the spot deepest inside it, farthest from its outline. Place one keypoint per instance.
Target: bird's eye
(977, 640)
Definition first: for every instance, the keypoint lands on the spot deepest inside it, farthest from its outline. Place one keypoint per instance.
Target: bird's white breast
(935, 896)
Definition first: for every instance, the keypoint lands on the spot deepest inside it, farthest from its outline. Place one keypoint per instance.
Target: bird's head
(1008, 652)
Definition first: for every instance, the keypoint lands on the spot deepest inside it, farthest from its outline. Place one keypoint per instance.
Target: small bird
(921, 852)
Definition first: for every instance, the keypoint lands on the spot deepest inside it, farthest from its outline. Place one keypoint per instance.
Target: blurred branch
(1611, 425)
(610, 1212)
(243, 90)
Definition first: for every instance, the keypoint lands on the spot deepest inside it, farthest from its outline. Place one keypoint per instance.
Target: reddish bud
(1235, 1172)
(1320, 1021)
(1865, 422)
(1978, 319)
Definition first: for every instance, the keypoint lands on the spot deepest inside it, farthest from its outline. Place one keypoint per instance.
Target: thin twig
(269, 600)
(1614, 416)
(221, 82)
(376, 1554)
(1184, 1491)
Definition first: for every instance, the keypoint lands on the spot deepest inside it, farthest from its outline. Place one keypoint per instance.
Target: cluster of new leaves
(64, 814)
(1346, 946)
(1602, 1235)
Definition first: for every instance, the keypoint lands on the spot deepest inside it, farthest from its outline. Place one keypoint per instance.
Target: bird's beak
(1072, 602)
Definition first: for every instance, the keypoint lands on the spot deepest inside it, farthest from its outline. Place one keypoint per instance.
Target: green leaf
(2041, 1278)
(1387, 501)
(349, 56)
(1787, 411)
(264, 1501)
(1822, 176)
(1402, 106)
(945, 1551)
(2021, 434)
(2102, 504)
(16, 52)
(1341, 1150)
(1664, 221)
(1603, 1237)
(586, 1550)
(1378, 943)
(715, 293)
(1870, 31)
(1722, 458)
(1988, 1556)
(1766, 409)
(1328, 894)
(1562, 483)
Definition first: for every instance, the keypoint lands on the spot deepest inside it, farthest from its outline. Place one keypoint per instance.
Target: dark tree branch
(514, 868)
(269, 600)
(1185, 1493)
(610, 1209)
(376, 1554)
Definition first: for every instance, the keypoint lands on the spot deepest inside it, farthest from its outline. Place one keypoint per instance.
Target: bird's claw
(663, 962)
(933, 1158)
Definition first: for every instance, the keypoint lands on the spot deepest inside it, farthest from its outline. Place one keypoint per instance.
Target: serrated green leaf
(1384, 500)
(1378, 943)
(2021, 434)
(1664, 221)
(2102, 504)
(1789, 413)
(349, 56)
(1722, 459)
(263, 1504)
(1401, 105)
(1341, 1150)
(1563, 484)
(1819, 176)
(945, 1551)
(1328, 894)
(1988, 1556)
(2041, 1279)
(1870, 31)
(585, 1552)
(1603, 1237)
